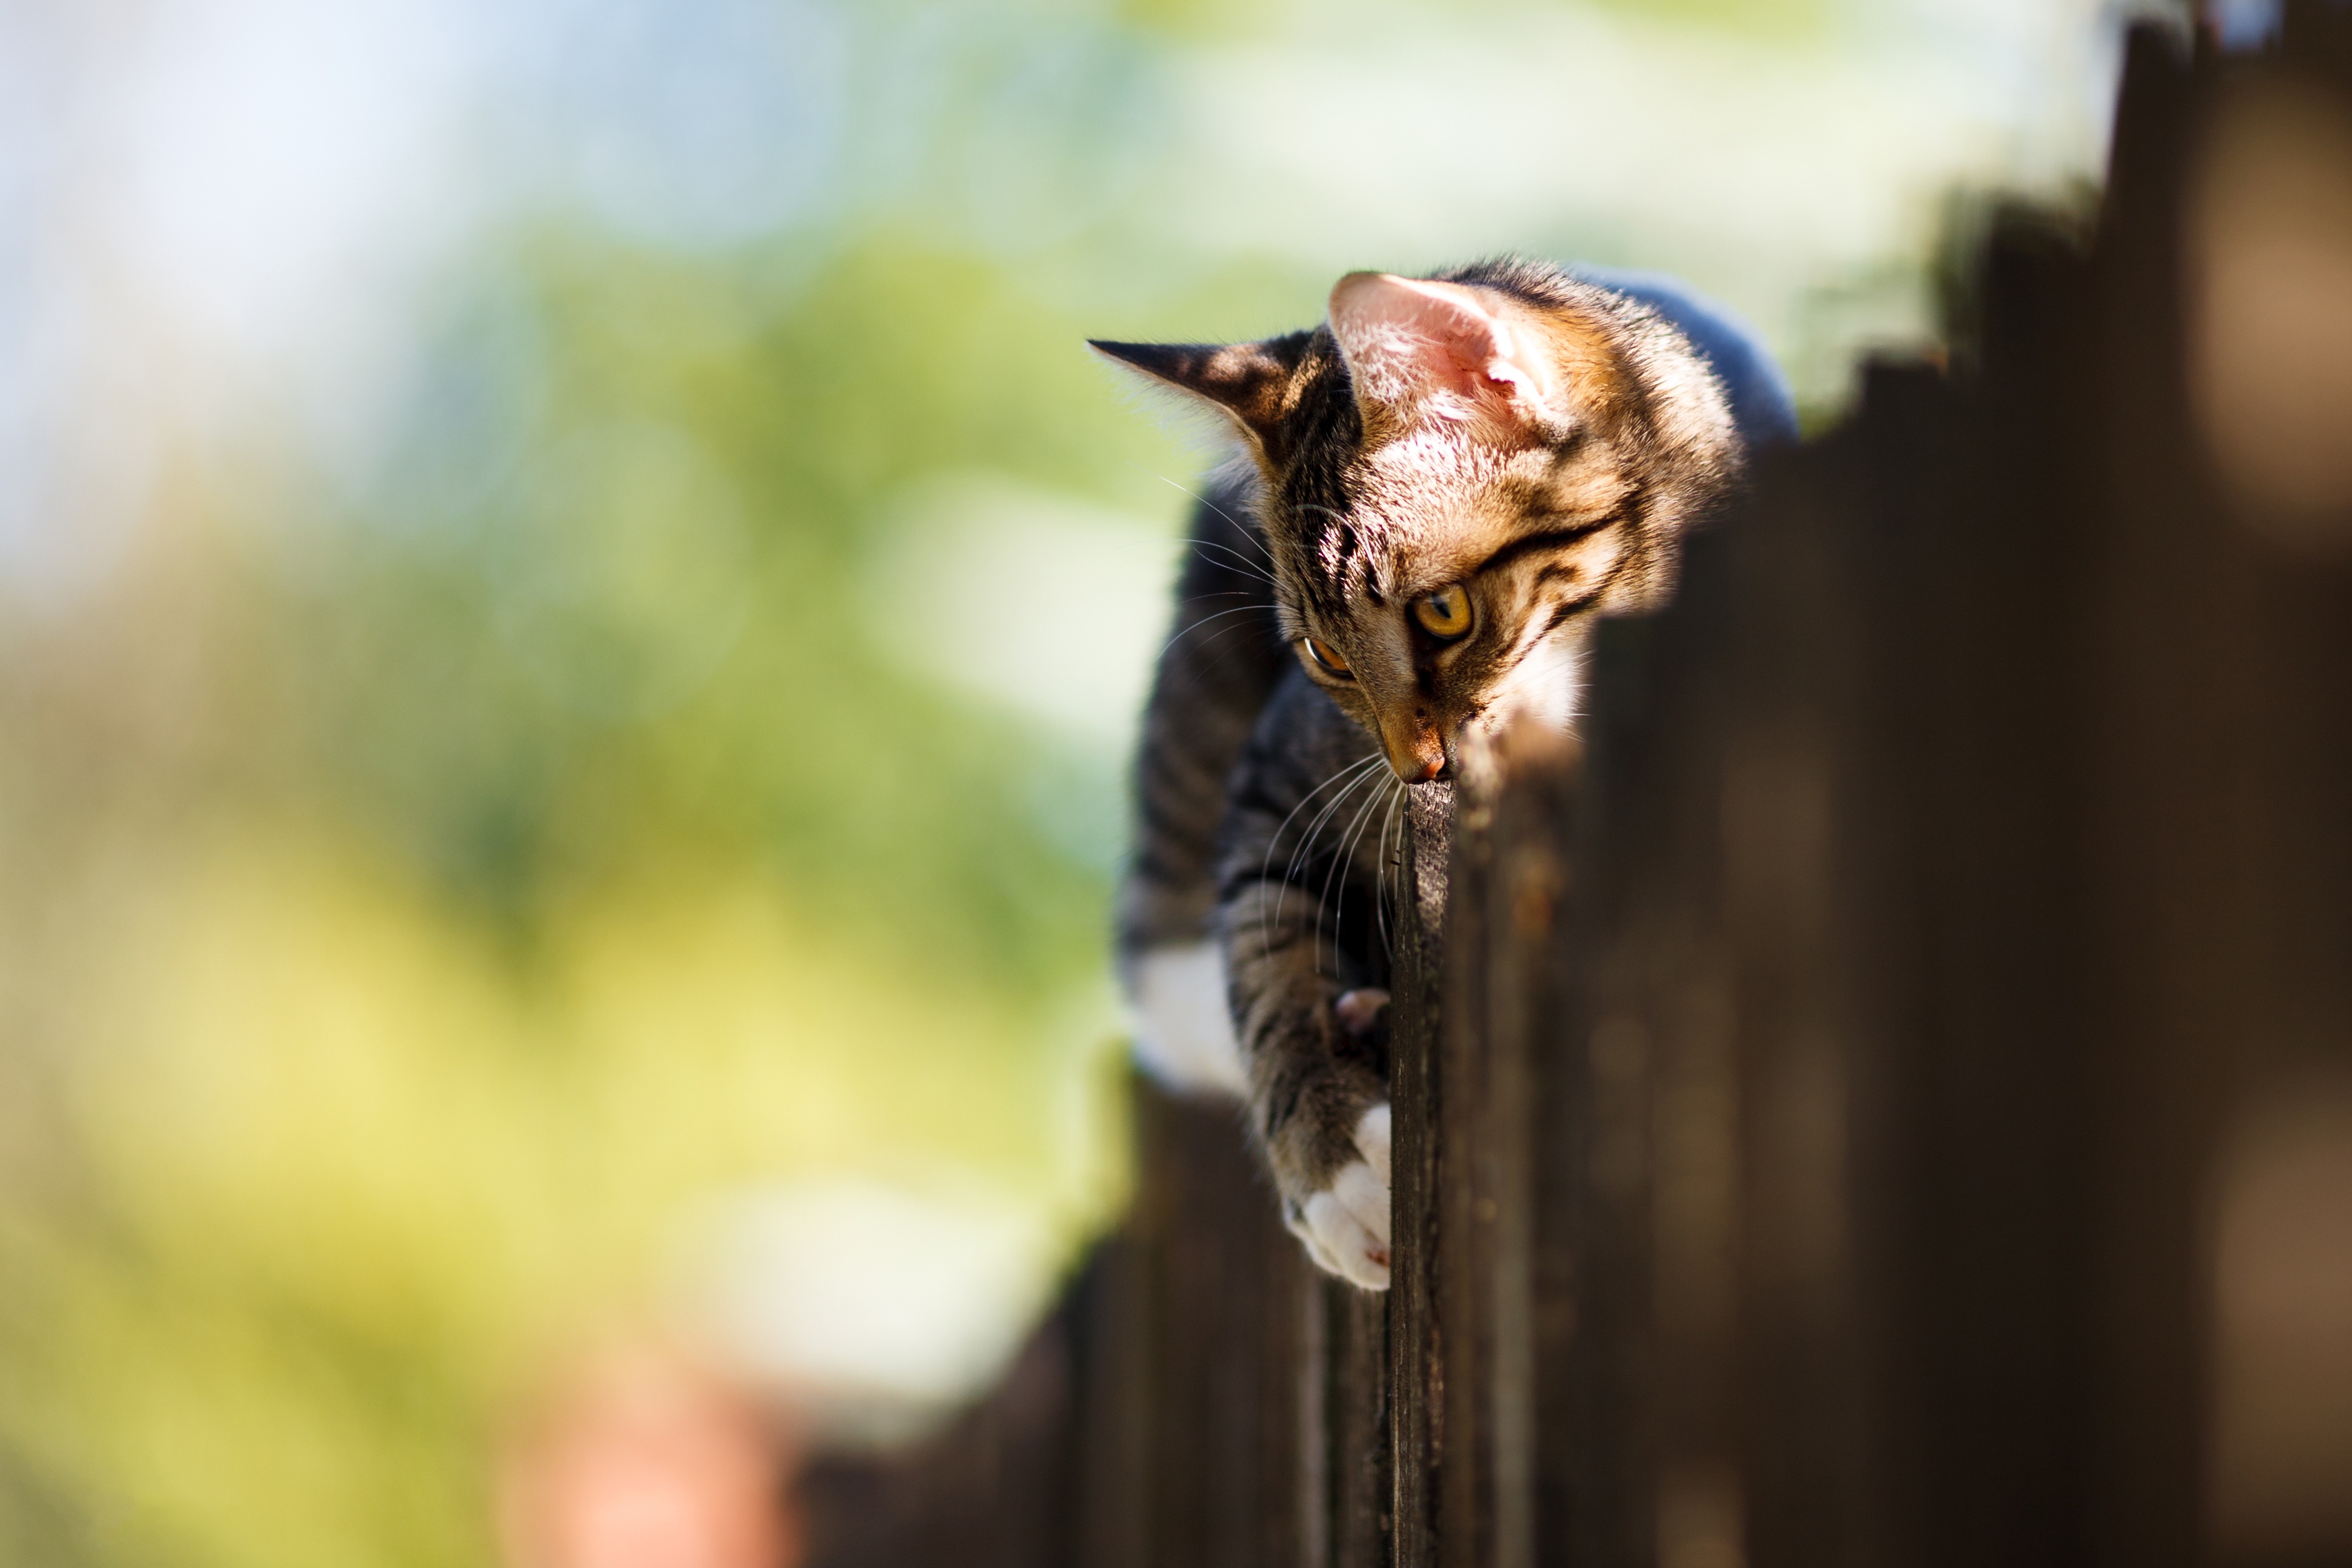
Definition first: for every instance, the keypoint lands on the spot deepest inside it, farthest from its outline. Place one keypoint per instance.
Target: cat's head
(1460, 475)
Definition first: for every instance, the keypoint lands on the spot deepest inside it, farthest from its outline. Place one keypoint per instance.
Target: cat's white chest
(1183, 1022)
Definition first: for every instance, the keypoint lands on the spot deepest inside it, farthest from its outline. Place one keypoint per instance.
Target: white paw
(1373, 1140)
(1346, 1225)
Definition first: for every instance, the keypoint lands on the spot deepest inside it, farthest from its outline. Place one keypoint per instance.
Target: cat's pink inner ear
(1411, 345)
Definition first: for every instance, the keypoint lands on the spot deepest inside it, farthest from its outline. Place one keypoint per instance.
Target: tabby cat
(1438, 492)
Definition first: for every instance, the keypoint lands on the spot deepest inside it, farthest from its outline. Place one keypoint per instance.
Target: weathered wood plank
(1416, 1353)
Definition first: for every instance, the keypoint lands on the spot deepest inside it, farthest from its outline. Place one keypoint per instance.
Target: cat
(1438, 491)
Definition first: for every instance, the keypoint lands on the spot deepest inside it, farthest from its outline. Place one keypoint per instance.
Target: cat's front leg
(1315, 1051)
(1307, 902)
(1224, 656)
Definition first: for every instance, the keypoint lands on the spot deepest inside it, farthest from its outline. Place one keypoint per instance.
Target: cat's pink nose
(1418, 766)
(1425, 762)
(1420, 759)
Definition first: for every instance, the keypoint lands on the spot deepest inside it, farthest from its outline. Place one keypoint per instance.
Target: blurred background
(571, 605)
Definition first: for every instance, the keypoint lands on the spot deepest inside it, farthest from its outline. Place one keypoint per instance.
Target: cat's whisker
(1227, 631)
(1306, 840)
(1355, 774)
(1245, 531)
(1342, 848)
(1301, 859)
(1236, 557)
(1390, 796)
(1346, 857)
(1273, 843)
(1221, 633)
(1188, 627)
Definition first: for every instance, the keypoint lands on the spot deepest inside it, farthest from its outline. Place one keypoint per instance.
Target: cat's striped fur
(1443, 487)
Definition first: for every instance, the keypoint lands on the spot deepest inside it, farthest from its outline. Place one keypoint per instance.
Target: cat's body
(1442, 488)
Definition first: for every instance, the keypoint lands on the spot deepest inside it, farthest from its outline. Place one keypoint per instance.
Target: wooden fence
(1818, 1097)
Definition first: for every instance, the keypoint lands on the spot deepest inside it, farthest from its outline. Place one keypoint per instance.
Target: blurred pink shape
(642, 1458)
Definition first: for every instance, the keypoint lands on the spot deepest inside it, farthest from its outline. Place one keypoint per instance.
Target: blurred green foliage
(465, 870)
(648, 607)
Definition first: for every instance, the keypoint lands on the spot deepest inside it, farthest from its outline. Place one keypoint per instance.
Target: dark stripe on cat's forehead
(1567, 607)
(1328, 432)
(1339, 551)
(1550, 539)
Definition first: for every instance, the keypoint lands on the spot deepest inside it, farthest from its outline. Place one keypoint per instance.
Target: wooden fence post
(1416, 1352)
(1828, 1095)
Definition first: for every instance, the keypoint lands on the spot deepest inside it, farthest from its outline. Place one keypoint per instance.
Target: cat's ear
(1251, 381)
(1417, 350)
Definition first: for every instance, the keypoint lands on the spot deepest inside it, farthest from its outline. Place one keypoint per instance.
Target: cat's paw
(1360, 1011)
(1345, 1225)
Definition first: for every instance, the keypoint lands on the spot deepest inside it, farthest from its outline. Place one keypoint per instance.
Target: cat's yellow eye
(1444, 614)
(1330, 663)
